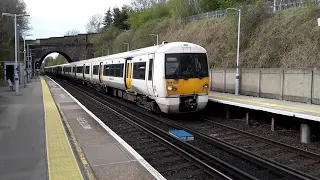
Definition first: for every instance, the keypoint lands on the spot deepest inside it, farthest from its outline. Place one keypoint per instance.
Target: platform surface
(107, 156)
(288, 108)
(22, 133)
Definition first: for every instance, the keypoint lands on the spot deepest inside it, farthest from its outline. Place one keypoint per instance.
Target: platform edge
(139, 158)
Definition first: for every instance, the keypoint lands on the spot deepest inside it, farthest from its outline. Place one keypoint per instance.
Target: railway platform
(306, 112)
(47, 134)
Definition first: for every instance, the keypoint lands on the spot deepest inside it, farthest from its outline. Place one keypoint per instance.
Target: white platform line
(136, 155)
(271, 110)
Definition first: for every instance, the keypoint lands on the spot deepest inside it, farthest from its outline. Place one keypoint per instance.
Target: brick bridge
(73, 48)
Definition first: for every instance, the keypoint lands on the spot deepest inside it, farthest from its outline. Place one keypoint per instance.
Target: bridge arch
(59, 52)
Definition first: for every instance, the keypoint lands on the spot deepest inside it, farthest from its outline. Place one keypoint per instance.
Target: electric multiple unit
(170, 77)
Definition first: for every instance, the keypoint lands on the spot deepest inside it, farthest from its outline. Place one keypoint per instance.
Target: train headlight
(205, 86)
(171, 88)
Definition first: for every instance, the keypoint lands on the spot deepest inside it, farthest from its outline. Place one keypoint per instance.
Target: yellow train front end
(187, 82)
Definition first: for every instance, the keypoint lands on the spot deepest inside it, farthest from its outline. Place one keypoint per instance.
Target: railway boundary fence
(298, 85)
(275, 6)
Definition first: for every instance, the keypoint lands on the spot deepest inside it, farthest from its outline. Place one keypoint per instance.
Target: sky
(50, 18)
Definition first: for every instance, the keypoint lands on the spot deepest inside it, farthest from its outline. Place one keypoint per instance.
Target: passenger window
(106, 71)
(95, 69)
(87, 69)
(112, 70)
(139, 70)
(150, 69)
(121, 69)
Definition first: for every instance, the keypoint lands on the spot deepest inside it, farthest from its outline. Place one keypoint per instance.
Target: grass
(288, 39)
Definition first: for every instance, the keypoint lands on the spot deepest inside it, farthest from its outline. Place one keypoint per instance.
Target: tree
(7, 27)
(108, 21)
(94, 24)
(72, 32)
(142, 5)
(50, 61)
(120, 18)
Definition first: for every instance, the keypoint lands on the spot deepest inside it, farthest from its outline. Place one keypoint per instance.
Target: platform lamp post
(25, 58)
(29, 62)
(238, 51)
(128, 45)
(16, 77)
(156, 36)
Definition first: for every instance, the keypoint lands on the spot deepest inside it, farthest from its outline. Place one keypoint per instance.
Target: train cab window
(87, 70)
(95, 69)
(106, 71)
(150, 69)
(139, 70)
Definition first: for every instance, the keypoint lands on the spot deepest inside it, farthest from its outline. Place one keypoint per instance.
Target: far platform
(287, 108)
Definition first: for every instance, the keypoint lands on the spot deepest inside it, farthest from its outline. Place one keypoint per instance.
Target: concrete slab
(22, 133)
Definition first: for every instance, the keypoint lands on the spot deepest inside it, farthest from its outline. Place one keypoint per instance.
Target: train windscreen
(182, 66)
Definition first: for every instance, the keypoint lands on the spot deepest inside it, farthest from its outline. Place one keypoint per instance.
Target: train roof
(164, 47)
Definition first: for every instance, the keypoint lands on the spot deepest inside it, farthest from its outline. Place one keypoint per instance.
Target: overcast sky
(50, 18)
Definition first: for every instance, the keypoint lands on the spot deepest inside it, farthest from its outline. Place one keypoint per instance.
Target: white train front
(170, 77)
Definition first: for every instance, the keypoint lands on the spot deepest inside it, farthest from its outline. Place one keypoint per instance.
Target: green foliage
(7, 27)
(209, 5)
(104, 39)
(158, 11)
(1, 72)
(50, 61)
(120, 18)
(108, 21)
(180, 8)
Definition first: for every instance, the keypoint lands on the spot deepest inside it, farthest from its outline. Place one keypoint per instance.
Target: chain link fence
(275, 6)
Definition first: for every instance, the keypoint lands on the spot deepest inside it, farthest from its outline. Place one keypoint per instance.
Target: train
(170, 78)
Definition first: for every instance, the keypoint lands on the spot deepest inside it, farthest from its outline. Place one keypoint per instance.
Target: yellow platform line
(267, 104)
(62, 163)
(81, 155)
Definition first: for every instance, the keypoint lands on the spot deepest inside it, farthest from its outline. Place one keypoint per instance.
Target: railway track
(285, 154)
(220, 156)
(156, 146)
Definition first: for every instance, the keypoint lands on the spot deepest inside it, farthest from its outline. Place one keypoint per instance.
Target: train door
(100, 73)
(75, 71)
(128, 76)
(150, 74)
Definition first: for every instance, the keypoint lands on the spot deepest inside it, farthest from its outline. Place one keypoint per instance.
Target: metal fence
(276, 5)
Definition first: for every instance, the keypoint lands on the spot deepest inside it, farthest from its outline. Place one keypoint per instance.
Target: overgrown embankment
(289, 38)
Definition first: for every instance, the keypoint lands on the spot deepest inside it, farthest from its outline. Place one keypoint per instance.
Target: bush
(1, 72)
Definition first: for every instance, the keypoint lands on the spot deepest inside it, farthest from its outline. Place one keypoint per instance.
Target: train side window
(150, 69)
(87, 69)
(106, 71)
(112, 70)
(139, 70)
(117, 70)
(121, 69)
(95, 69)
(79, 69)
